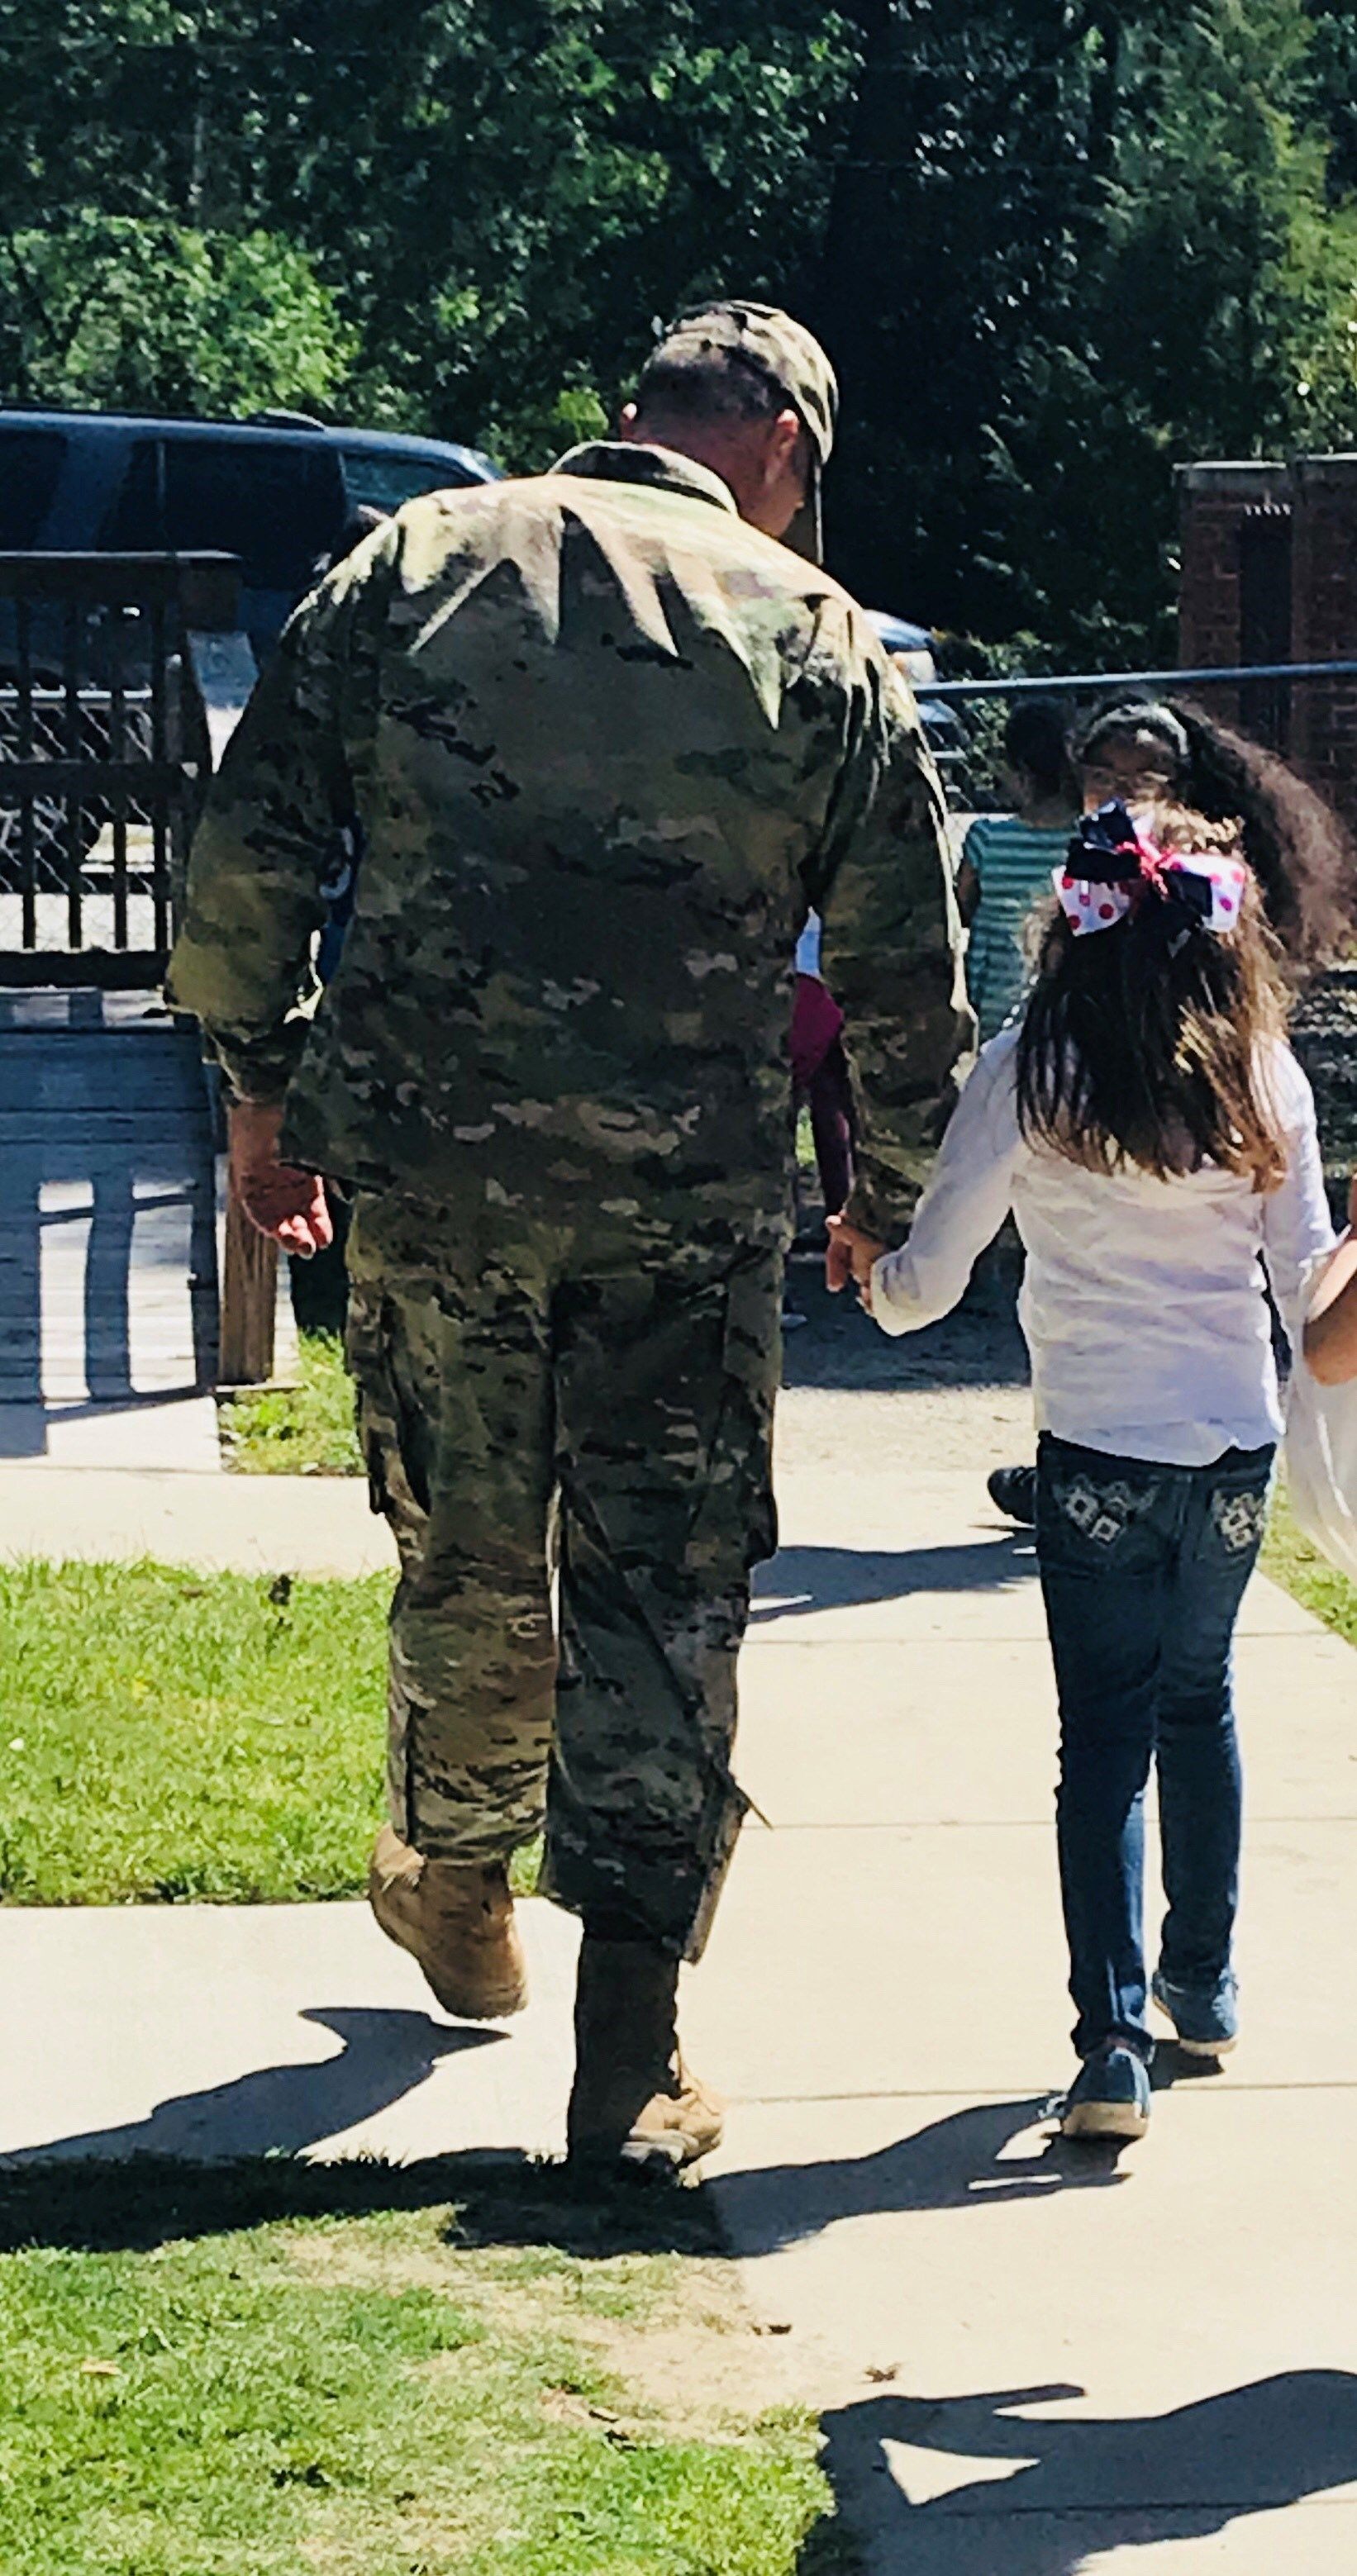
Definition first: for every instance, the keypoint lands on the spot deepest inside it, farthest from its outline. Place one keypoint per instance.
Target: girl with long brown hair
(1162, 754)
(1153, 1134)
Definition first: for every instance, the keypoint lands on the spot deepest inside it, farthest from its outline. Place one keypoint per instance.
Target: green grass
(167, 1735)
(277, 2368)
(170, 1734)
(1291, 1561)
(302, 1430)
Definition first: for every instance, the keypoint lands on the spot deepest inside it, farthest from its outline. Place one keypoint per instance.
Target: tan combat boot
(457, 1920)
(633, 2101)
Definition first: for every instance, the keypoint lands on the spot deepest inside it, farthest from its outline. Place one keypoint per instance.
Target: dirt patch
(342, 2262)
(708, 2375)
(671, 2335)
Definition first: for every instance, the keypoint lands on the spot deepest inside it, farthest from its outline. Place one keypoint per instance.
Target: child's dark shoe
(1110, 2096)
(1206, 2018)
(1013, 1491)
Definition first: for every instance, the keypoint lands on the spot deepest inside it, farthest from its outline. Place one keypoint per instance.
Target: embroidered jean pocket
(1236, 1514)
(1239, 1521)
(1092, 1520)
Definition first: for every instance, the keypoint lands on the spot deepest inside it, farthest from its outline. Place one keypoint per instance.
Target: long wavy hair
(1129, 1054)
(1300, 853)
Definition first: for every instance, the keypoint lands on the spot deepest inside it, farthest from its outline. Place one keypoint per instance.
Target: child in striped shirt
(1006, 860)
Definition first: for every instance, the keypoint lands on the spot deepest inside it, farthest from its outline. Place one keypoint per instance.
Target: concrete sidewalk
(318, 1525)
(107, 1287)
(1048, 2360)
(1032, 2359)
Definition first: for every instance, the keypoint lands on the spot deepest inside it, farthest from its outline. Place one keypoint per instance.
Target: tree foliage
(1056, 246)
(140, 310)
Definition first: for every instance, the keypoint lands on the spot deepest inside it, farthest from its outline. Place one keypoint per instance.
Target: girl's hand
(851, 1255)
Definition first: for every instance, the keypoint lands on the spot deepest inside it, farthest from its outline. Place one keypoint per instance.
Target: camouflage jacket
(605, 744)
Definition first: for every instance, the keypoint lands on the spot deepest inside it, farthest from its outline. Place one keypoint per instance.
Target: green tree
(1055, 245)
(145, 312)
(518, 192)
(1215, 315)
(1069, 248)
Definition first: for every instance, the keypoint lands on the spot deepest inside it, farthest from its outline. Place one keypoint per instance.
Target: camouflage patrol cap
(790, 359)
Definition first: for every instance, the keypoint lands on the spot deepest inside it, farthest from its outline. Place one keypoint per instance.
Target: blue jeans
(1143, 1568)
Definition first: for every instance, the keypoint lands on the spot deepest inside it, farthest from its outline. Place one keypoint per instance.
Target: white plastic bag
(1319, 1455)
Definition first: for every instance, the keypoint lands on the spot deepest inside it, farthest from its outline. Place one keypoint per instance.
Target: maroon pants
(820, 1080)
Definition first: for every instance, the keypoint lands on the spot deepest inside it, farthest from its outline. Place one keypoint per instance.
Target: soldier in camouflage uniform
(606, 740)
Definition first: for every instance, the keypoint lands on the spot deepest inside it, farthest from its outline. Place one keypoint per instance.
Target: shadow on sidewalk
(801, 1579)
(955, 2163)
(232, 2156)
(978, 1345)
(107, 1210)
(1080, 2487)
(280, 2110)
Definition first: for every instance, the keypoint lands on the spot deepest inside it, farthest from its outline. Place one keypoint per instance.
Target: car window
(278, 508)
(131, 524)
(30, 462)
(378, 482)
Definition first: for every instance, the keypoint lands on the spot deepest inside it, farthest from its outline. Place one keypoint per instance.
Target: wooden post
(249, 1296)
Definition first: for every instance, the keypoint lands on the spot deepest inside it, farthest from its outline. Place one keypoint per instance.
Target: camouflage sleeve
(892, 946)
(242, 959)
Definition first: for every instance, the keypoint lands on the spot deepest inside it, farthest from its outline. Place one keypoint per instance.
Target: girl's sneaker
(1206, 2018)
(1110, 2095)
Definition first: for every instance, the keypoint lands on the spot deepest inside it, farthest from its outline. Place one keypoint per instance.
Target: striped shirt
(1013, 862)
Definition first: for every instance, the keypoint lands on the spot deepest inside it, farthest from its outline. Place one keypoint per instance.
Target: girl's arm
(1297, 1227)
(964, 1205)
(968, 879)
(1330, 1333)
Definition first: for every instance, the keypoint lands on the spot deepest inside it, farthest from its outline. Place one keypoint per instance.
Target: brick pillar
(1231, 610)
(1324, 625)
(1215, 504)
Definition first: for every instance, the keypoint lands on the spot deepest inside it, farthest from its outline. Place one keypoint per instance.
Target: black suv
(275, 490)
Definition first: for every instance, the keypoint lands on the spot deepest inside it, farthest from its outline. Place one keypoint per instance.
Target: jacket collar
(661, 469)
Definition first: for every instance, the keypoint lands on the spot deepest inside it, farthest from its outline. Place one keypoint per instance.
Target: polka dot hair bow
(1113, 870)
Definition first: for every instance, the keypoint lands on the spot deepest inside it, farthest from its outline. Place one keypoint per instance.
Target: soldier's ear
(626, 427)
(783, 441)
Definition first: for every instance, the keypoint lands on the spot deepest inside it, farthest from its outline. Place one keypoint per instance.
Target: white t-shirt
(1143, 1301)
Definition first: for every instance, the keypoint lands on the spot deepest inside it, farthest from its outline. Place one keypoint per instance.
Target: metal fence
(104, 755)
(1306, 711)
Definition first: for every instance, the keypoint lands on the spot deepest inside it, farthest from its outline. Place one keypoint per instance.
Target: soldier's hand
(850, 1255)
(281, 1200)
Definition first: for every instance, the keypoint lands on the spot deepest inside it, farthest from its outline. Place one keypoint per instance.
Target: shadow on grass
(98, 2205)
(478, 2202)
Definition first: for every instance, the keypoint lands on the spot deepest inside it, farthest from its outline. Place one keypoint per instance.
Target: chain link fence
(1306, 712)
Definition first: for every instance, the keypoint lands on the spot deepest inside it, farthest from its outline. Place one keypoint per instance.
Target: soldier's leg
(665, 1397)
(665, 1390)
(451, 1362)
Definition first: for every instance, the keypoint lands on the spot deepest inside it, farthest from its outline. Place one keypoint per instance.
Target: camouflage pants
(519, 1387)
